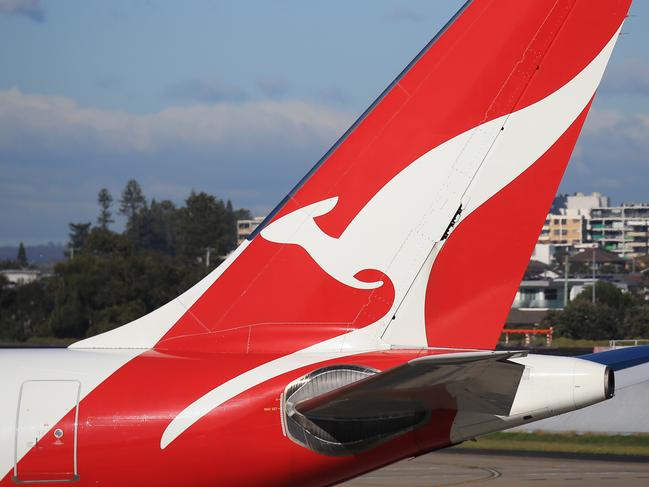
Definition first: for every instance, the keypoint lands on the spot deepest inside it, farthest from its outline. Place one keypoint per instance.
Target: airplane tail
(415, 228)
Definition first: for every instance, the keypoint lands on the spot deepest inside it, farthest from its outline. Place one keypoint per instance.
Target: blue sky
(235, 98)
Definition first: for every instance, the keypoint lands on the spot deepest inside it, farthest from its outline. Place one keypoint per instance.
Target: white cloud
(59, 152)
(58, 123)
(612, 156)
(628, 78)
(607, 124)
(55, 155)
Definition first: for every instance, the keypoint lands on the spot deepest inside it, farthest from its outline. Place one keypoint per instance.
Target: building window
(550, 294)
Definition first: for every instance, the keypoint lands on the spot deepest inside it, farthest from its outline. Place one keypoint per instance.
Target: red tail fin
(396, 231)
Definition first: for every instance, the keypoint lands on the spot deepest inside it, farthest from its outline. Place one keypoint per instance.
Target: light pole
(593, 247)
(565, 279)
(594, 275)
(208, 253)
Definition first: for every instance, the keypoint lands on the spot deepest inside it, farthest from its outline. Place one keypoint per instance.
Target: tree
(242, 214)
(132, 204)
(117, 277)
(67, 319)
(25, 310)
(154, 228)
(78, 235)
(230, 238)
(615, 315)
(582, 319)
(636, 324)
(105, 200)
(104, 243)
(609, 294)
(201, 225)
(132, 200)
(21, 258)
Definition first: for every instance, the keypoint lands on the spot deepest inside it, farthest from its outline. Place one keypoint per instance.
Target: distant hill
(40, 255)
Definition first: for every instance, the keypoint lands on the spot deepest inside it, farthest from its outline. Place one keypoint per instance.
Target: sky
(235, 98)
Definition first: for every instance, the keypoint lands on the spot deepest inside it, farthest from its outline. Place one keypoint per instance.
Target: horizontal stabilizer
(380, 406)
(621, 358)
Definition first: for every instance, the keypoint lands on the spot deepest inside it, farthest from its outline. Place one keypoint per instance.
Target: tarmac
(498, 469)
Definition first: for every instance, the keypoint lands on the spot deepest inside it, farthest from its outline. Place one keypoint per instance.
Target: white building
(581, 204)
(246, 227)
(544, 253)
(19, 277)
(621, 229)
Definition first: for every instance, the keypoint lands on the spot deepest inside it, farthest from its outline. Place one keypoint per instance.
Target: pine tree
(21, 259)
(78, 235)
(132, 200)
(105, 200)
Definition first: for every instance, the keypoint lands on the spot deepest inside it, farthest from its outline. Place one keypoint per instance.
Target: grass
(557, 342)
(630, 445)
(570, 343)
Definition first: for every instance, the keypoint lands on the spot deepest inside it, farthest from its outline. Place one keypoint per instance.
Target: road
(461, 467)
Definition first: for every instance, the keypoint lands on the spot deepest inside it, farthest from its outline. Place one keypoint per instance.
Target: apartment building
(566, 224)
(583, 204)
(246, 227)
(563, 230)
(621, 229)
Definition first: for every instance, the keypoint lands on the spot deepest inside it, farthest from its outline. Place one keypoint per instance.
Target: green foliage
(203, 224)
(584, 320)
(21, 258)
(98, 291)
(8, 264)
(105, 201)
(113, 278)
(155, 227)
(636, 322)
(106, 243)
(614, 315)
(132, 200)
(242, 214)
(24, 310)
(607, 293)
(78, 234)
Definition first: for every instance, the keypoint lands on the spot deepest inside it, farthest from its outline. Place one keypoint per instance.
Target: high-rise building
(621, 229)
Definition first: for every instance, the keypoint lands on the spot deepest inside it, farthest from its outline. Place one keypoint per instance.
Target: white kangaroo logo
(334, 255)
(394, 232)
